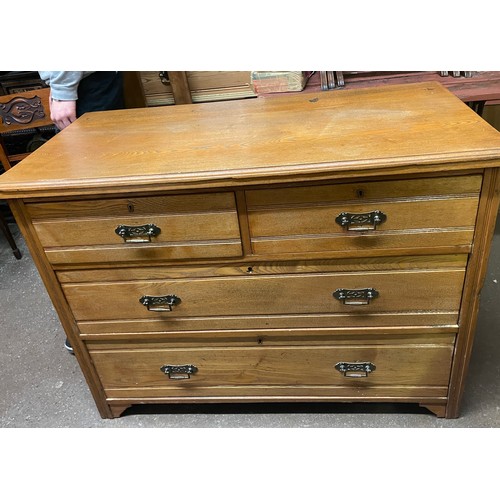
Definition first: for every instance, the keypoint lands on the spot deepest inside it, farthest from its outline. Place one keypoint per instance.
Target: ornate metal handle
(355, 370)
(179, 372)
(361, 222)
(137, 234)
(163, 303)
(358, 297)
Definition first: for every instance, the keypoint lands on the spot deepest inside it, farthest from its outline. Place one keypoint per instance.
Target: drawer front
(172, 229)
(169, 228)
(392, 293)
(364, 217)
(138, 206)
(357, 367)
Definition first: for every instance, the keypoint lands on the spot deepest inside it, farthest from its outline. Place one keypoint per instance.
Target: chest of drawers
(312, 247)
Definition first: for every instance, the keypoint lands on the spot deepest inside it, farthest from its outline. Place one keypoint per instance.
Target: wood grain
(476, 272)
(413, 365)
(246, 194)
(238, 325)
(262, 268)
(132, 206)
(300, 134)
(368, 191)
(403, 291)
(174, 228)
(61, 307)
(370, 335)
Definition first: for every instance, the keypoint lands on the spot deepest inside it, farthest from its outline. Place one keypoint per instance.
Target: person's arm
(63, 93)
(62, 113)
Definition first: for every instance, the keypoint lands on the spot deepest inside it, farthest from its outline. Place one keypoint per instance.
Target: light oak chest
(313, 247)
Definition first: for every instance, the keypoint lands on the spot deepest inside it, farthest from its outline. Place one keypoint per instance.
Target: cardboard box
(266, 82)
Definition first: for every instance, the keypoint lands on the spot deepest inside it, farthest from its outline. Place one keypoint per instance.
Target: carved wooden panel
(22, 110)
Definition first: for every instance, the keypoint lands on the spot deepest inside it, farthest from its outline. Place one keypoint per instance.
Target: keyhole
(250, 270)
(360, 193)
(260, 340)
(130, 207)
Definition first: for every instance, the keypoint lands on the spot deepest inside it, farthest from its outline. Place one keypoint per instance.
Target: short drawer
(364, 217)
(163, 227)
(341, 369)
(342, 294)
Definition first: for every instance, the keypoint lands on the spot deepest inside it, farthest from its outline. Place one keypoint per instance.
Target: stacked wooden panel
(205, 86)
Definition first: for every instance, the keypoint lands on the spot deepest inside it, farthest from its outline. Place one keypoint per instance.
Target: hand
(62, 113)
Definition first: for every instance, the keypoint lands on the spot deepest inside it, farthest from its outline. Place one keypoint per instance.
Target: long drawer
(421, 368)
(372, 295)
(123, 230)
(364, 217)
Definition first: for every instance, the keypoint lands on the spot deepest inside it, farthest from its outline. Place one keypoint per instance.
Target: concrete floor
(42, 385)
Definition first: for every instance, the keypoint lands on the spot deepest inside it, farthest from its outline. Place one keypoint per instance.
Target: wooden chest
(307, 247)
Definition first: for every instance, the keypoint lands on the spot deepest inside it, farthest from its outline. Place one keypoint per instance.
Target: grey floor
(41, 384)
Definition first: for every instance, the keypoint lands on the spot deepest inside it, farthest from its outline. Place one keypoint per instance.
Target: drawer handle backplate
(355, 370)
(137, 234)
(164, 303)
(361, 222)
(358, 297)
(179, 372)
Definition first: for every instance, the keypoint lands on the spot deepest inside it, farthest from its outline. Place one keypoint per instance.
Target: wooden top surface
(264, 139)
(482, 86)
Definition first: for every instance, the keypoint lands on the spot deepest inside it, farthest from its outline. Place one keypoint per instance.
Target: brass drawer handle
(137, 234)
(179, 372)
(355, 370)
(359, 297)
(361, 222)
(164, 303)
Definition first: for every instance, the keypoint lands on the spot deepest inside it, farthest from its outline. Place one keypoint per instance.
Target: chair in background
(23, 112)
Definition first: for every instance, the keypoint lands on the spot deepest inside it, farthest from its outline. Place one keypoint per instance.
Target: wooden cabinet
(307, 247)
(162, 88)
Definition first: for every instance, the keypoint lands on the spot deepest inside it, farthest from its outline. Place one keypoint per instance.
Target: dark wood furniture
(21, 112)
(322, 246)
